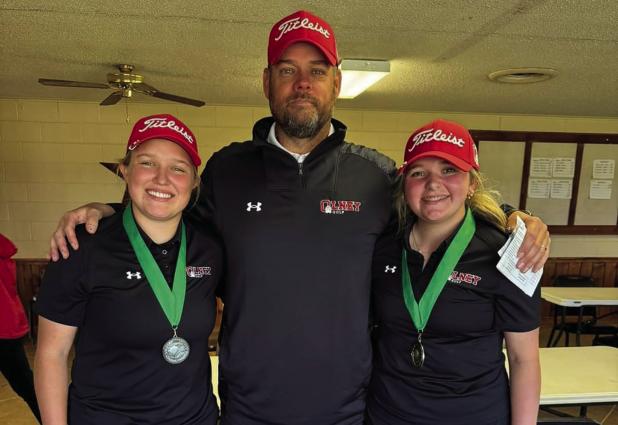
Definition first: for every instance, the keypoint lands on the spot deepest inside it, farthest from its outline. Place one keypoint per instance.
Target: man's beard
(304, 124)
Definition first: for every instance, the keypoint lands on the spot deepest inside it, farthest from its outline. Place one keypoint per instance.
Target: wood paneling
(29, 274)
(602, 270)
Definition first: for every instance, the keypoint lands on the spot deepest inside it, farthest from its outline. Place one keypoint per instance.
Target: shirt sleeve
(63, 294)
(516, 311)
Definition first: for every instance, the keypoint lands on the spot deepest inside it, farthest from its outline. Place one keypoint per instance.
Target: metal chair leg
(580, 319)
(553, 329)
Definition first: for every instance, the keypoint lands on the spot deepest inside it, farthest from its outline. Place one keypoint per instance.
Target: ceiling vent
(522, 75)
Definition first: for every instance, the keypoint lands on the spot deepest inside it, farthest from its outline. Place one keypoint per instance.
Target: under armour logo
(390, 269)
(254, 207)
(136, 275)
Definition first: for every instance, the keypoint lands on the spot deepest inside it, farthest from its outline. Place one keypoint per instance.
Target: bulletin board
(570, 180)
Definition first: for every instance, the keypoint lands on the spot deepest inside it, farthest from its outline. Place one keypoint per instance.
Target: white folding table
(579, 375)
(579, 297)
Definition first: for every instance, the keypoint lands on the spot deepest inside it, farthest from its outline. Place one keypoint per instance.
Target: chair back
(573, 280)
(570, 280)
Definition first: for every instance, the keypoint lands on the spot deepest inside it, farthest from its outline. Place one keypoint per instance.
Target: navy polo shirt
(463, 380)
(119, 375)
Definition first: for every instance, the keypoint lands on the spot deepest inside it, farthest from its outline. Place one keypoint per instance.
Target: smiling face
(435, 190)
(160, 177)
(301, 89)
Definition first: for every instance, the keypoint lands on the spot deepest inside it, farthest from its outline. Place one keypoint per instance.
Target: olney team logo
(469, 278)
(328, 206)
(198, 271)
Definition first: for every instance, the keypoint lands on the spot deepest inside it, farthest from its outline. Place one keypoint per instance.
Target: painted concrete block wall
(50, 153)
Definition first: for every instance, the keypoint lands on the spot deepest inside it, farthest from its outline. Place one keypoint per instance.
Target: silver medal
(418, 353)
(176, 350)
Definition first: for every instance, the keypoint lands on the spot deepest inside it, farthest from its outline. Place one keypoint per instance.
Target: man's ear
(266, 82)
(338, 77)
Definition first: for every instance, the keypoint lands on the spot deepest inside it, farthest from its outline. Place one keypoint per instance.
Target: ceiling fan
(126, 82)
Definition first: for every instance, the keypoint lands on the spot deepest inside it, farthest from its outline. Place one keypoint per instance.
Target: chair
(586, 320)
(610, 340)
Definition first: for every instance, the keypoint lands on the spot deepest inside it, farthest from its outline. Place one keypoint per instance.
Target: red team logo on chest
(328, 206)
(198, 271)
(469, 278)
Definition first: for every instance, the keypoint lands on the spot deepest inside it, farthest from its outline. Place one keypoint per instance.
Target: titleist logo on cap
(164, 123)
(296, 23)
(437, 136)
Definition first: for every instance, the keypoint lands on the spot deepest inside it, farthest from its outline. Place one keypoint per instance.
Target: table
(214, 363)
(579, 297)
(579, 375)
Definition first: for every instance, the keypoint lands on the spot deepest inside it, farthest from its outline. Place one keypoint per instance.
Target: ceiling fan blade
(112, 99)
(151, 91)
(66, 83)
(180, 99)
(144, 88)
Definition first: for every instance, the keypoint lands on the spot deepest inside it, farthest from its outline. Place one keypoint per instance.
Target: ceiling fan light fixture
(522, 75)
(360, 74)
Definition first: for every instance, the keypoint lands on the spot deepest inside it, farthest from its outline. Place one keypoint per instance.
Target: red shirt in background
(13, 321)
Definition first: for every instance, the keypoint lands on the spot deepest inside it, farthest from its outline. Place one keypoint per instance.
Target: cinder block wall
(50, 150)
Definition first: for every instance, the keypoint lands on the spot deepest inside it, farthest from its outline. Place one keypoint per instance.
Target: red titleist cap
(298, 27)
(442, 139)
(166, 127)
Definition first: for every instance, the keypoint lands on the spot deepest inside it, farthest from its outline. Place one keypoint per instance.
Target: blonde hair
(484, 202)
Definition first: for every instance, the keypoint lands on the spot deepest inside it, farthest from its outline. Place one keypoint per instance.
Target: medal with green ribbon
(176, 349)
(420, 312)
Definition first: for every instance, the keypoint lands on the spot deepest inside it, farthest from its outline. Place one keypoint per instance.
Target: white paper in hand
(507, 265)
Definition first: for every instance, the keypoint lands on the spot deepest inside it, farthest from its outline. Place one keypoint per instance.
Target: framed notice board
(568, 179)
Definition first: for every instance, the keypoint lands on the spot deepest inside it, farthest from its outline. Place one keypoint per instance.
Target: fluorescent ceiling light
(360, 74)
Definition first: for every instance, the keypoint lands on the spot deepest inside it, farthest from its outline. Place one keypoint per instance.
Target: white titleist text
(438, 136)
(164, 123)
(296, 23)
